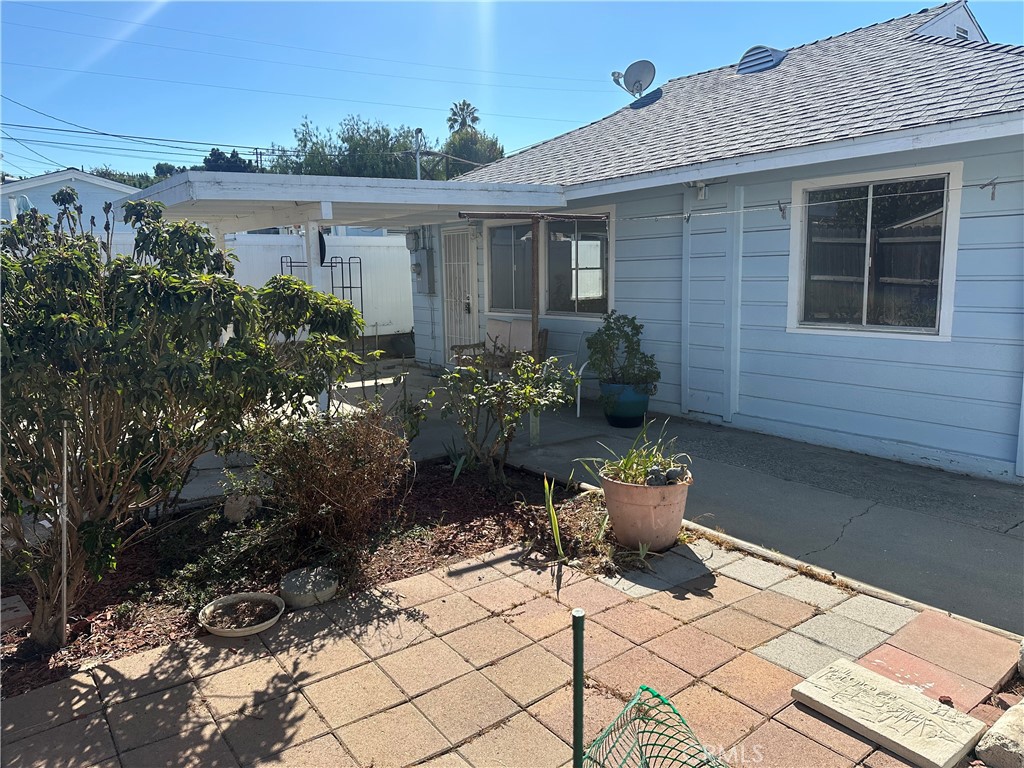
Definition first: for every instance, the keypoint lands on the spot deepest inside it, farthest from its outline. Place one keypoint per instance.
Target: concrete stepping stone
(895, 716)
(1003, 745)
(13, 613)
(305, 587)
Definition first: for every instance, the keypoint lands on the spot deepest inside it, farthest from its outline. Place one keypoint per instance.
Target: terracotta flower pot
(645, 514)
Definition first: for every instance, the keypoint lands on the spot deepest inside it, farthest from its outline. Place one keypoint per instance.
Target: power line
(28, 159)
(306, 50)
(112, 150)
(99, 134)
(80, 145)
(302, 65)
(260, 92)
(51, 162)
(3, 157)
(66, 122)
(171, 142)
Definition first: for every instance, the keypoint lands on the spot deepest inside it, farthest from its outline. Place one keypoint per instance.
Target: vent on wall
(758, 59)
(962, 34)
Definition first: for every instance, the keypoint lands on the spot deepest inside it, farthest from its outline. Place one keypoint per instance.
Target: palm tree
(462, 115)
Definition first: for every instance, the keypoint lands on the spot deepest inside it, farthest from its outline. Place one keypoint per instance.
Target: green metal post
(577, 687)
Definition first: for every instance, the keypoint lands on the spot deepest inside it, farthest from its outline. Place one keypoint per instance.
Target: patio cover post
(535, 303)
(312, 243)
(535, 319)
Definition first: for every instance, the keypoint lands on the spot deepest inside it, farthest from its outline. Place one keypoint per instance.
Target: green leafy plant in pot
(645, 491)
(627, 375)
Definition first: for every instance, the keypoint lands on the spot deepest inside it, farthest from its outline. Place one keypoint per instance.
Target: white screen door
(460, 289)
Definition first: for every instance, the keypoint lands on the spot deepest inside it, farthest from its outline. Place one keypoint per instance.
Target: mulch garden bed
(442, 522)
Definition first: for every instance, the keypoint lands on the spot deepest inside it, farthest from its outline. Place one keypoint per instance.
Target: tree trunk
(45, 631)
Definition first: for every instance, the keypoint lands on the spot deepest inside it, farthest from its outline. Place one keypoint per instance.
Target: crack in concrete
(1015, 525)
(842, 531)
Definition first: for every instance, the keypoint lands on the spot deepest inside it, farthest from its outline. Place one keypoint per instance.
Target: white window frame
(954, 173)
(544, 313)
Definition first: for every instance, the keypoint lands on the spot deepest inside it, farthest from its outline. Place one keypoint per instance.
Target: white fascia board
(207, 185)
(975, 129)
(172, 191)
(69, 175)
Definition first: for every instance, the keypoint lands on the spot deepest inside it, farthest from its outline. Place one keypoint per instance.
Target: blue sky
(245, 73)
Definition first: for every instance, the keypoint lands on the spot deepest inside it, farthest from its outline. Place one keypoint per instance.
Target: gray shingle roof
(869, 81)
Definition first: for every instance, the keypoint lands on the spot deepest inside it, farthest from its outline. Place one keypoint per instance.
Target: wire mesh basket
(649, 733)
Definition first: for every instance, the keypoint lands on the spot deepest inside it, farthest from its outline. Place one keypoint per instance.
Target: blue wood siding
(90, 196)
(954, 404)
(712, 293)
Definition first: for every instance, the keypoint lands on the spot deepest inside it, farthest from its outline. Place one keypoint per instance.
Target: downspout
(735, 286)
(1020, 435)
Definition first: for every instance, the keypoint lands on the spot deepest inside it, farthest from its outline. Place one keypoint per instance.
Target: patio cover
(238, 202)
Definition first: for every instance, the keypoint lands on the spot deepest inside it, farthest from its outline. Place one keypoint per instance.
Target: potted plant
(627, 375)
(645, 491)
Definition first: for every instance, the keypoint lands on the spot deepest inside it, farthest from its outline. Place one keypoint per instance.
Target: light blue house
(824, 243)
(93, 192)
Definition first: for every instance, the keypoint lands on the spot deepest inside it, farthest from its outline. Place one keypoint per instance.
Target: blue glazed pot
(624, 404)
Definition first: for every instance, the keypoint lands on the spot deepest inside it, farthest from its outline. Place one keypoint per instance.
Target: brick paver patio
(470, 666)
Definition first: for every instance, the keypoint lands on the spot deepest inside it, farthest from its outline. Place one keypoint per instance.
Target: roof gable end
(956, 22)
(69, 175)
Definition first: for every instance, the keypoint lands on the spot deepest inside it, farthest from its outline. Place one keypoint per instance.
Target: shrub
(132, 356)
(332, 477)
(617, 357)
(489, 402)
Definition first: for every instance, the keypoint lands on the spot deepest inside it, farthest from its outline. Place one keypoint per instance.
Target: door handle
(466, 306)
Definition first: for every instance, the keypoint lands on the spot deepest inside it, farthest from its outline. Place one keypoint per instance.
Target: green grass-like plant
(647, 462)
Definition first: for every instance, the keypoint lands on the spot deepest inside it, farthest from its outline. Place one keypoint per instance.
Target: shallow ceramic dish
(204, 614)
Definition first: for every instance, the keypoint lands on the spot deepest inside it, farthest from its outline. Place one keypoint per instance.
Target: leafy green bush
(616, 356)
(145, 360)
(489, 402)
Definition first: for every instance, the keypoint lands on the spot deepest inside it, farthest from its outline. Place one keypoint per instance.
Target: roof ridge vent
(758, 59)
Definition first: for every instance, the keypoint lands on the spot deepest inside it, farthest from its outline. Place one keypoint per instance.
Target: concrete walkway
(470, 666)
(950, 541)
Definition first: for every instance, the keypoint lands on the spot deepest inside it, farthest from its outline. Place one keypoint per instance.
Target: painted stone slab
(13, 613)
(896, 716)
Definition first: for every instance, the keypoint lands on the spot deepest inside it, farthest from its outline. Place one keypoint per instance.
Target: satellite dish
(638, 77)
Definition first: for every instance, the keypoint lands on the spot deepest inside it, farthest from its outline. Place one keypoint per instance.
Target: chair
(582, 353)
(515, 335)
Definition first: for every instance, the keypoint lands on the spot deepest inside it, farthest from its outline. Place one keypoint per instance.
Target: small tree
(144, 360)
(478, 147)
(489, 401)
(218, 160)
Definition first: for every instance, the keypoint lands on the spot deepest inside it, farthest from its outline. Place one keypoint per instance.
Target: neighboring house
(93, 192)
(812, 239)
